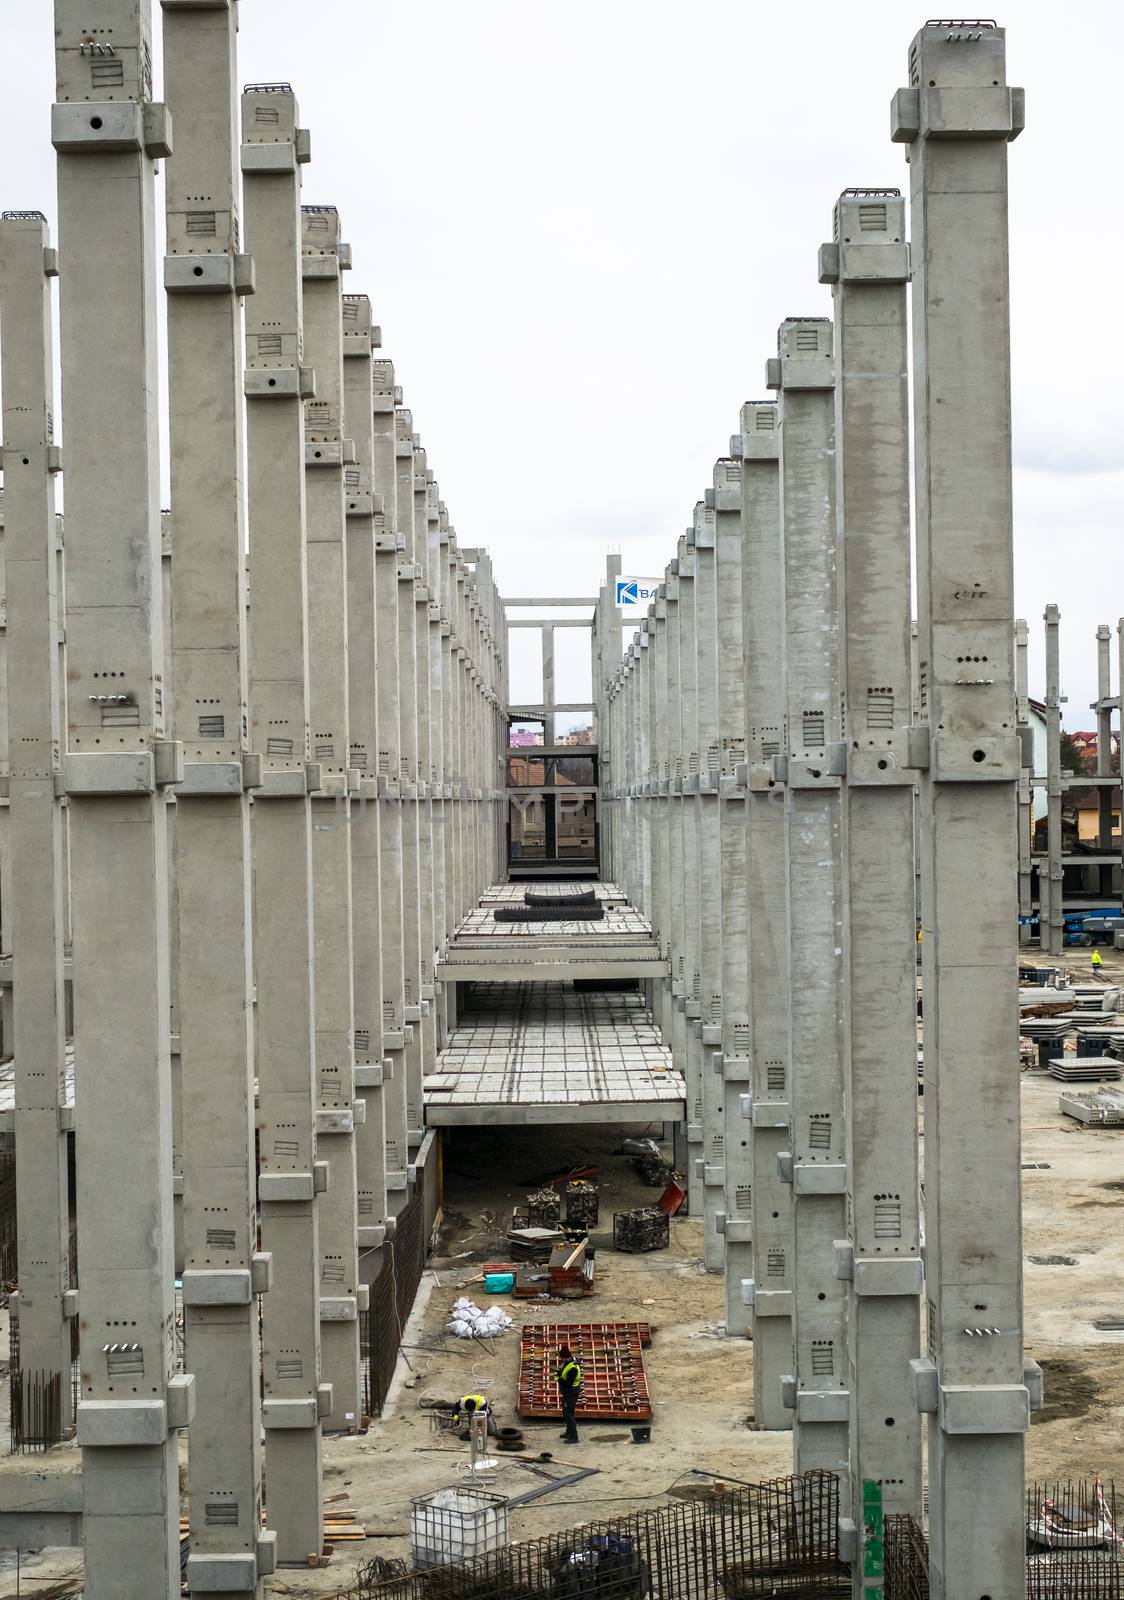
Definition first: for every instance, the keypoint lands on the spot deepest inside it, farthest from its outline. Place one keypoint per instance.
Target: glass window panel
(577, 819)
(528, 827)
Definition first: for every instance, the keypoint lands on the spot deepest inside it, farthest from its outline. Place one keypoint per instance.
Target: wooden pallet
(614, 1383)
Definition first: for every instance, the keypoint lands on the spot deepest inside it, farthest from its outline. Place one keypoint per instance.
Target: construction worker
(1095, 961)
(467, 1407)
(569, 1381)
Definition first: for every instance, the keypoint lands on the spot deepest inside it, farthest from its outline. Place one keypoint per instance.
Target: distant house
(1085, 808)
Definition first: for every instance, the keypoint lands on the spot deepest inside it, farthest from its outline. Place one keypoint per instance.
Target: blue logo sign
(635, 594)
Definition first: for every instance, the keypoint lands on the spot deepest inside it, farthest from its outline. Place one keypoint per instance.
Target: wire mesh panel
(906, 1558)
(1090, 1576)
(392, 1295)
(773, 1539)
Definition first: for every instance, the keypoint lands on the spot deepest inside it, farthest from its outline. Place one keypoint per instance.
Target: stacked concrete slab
(765, 814)
(347, 674)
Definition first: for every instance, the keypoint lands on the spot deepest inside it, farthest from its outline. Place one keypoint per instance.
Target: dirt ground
(701, 1384)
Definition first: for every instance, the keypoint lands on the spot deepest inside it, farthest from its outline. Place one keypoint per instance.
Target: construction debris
(582, 1204)
(571, 1269)
(647, 1228)
(468, 1321)
(544, 1208)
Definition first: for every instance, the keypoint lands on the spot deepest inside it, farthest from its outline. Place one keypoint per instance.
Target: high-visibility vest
(479, 1402)
(1096, 959)
(570, 1376)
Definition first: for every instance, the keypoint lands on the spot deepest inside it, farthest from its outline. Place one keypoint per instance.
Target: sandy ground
(1073, 1203)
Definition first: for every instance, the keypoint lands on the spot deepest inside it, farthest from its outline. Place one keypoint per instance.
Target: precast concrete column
(364, 508)
(458, 780)
(708, 829)
(222, 1272)
(1026, 777)
(690, 885)
(677, 1033)
(427, 1022)
(289, 1177)
(393, 810)
(660, 987)
(767, 1292)
(438, 836)
(1051, 914)
(624, 714)
(645, 771)
(34, 911)
(731, 1067)
(450, 751)
(411, 790)
(803, 371)
(880, 1259)
(606, 654)
(957, 117)
(327, 456)
(108, 134)
(1120, 735)
(1104, 746)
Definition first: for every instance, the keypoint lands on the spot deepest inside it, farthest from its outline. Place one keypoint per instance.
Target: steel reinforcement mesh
(771, 1539)
(391, 1300)
(906, 1557)
(1075, 1547)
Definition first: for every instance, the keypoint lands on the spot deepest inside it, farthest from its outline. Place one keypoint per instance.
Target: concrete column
(957, 117)
(222, 1274)
(422, 688)
(1104, 750)
(660, 988)
(880, 1259)
(677, 1031)
(273, 148)
(328, 455)
(450, 755)
(731, 1067)
(1120, 711)
(1026, 778)
(438, 811)
(708, 821)
(394, 810)
(803, 371)
(412, 866)
(34, 913)
(1051, 916)
(765, 1110)
(548, 696)
(108, 134)
(364, 509)
(691, 1053)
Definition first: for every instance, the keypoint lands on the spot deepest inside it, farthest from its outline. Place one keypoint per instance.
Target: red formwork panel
(614, 1383)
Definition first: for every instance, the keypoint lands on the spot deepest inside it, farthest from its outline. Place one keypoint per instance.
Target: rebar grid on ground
(776, 1538)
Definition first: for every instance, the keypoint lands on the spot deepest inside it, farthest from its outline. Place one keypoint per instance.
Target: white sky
(581, 224)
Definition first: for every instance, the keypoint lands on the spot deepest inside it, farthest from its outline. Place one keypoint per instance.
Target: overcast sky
(581, 224)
